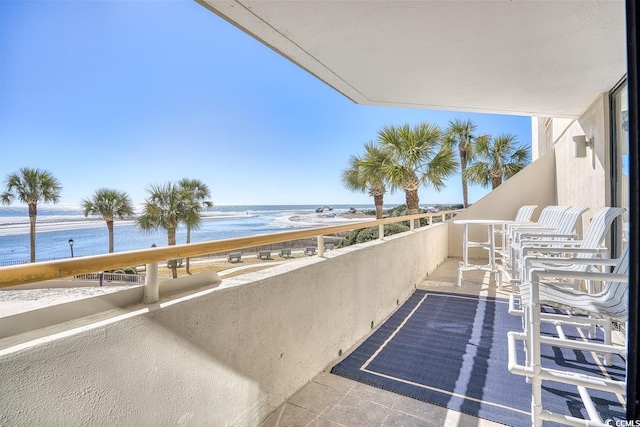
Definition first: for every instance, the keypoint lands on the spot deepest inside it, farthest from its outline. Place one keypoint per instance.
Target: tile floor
(333, 401)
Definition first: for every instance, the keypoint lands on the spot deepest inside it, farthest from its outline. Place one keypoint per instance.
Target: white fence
(112, 277)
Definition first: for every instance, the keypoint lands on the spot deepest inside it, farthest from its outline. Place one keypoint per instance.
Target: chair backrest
(599, 228)
(550, 216)
(524, 213)
(615, 295)
(570, 219)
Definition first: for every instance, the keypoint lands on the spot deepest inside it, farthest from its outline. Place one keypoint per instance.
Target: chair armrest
(531, 228)
(607, 262)
(539, 244)
(526, 236)
(535, 274)
(508, 226)
(567, 242)
(554, 250)
(523, 228)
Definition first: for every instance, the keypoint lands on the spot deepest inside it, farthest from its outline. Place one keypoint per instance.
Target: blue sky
(123, 94)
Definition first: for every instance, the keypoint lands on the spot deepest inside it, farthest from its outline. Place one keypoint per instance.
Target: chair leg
(536, 402)
(526, 342)
(607, 340)
(534, 356)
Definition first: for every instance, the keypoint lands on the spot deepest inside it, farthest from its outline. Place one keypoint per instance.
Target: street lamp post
(71, 246)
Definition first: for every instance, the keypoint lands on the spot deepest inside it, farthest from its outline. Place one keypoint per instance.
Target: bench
(329, 247)
(285, 253)
(264, 255)
(237, 256)
(310, 250)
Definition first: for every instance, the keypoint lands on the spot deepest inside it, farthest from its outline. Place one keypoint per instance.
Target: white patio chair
(565, 228)
(525, 213)
(547, 222)
(523, 216)
(536, 256)
(527, 238)
(581, 302)
(603, 308)
(543, 253)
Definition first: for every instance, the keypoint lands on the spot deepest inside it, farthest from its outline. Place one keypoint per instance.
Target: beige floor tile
(426, 411)
(290, 415)
(374, 394)
(317, 397)
(401, 419)
(353, 411)
(335, 381)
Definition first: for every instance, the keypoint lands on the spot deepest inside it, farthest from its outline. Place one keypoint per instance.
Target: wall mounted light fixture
(580, 144)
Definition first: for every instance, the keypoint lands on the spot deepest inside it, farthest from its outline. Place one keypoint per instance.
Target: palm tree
(109, 204)
(415, 157)
(31, 186)
(459, 136)
(499, 158)
(166, 206)
(365, 174)
(197, 191)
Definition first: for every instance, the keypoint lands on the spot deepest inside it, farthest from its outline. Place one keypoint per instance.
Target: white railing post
(151, 286)
(320, 245)
(444, 217)
(412, 224)
(430, 220)
(381, 231)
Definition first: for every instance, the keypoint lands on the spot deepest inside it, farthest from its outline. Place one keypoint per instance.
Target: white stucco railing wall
(226, 355)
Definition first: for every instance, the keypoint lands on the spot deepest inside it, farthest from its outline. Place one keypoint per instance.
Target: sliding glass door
(620, 162)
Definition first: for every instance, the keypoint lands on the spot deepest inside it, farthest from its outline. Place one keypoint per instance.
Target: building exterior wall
(580, 181)
(222, 356)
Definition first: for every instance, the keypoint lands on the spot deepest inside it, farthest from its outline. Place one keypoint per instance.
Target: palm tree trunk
(413, 203)
(110, 228)
(378, 200)
(33, 212)
(496, 180)
(463, 168)
(171, 240)
(188, 241)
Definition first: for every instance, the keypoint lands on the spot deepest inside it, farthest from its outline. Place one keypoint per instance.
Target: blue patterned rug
(451, 350)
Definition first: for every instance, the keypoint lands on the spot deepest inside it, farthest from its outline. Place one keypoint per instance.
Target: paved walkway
(333, 401)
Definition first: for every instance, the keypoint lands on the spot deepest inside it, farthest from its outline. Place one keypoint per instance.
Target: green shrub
(371, 233)
(400, 210)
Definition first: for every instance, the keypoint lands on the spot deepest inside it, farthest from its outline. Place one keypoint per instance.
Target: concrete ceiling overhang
(539, 58)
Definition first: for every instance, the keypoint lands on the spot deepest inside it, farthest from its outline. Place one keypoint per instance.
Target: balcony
(253, 350)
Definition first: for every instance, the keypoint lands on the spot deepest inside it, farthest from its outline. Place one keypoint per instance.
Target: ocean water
(57, 224)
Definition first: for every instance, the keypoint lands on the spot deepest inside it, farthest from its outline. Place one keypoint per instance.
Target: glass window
(620, 162)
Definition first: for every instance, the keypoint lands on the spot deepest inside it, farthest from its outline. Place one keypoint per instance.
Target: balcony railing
(59, 269)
